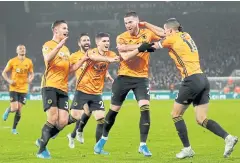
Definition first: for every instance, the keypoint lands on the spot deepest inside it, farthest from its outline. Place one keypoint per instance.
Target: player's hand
(62, 42)
(142, 24)
(11, 82)
(114, 59)
(29, 81)
(122, 48)
(145, 47)
(85, 57)
(110, 78)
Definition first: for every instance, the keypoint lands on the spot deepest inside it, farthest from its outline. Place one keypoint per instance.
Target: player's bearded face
(21, 50)
(131, 24)
(85, 43)
(104, 44)
(62, 31)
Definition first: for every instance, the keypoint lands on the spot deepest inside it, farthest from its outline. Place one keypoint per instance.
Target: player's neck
(21, 57)
(101, 52)
(82, 50)
(56, 39)
(135, 33)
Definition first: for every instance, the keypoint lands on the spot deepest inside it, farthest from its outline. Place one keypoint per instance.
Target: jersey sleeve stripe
(82, 74)
(180, 62)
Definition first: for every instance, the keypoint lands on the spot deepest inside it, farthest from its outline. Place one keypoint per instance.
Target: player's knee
(99, 115)
(115, 108)
(143, 102)
(52, 118)
(200, 119)
(62, 122)
(174, 114)
(76, 114)
(72, 119)
(18, 113)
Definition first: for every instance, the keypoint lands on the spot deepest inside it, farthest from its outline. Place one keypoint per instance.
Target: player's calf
(99, 129)
(144, 124)
(17, 118)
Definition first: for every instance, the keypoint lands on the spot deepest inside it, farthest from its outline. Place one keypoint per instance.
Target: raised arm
(49, 55)
(100, 58)
(155, 29)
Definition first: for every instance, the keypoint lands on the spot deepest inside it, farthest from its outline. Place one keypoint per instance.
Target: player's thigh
(96, 103)
(49, 98)
(178, 109)
(120, 89)
(52, 115)
(203, 97)
(183, 100)
(141, 91)
(13, 101)
(22, 98)
(98, 114)
(78, 104)
(201, 113)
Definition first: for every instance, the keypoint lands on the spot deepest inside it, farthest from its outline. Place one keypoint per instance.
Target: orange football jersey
(57, 70)
(19, 73)
(184, 52)
(139, 65)
(92, 81)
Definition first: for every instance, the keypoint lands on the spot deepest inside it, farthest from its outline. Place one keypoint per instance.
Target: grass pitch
(124, 137)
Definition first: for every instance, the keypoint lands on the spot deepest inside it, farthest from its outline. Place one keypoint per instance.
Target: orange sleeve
(30, 69)
(9, 65)
(154, 37)
(120, 40)
(73, 59)
(167, 42)
(46, 49)
(112, 54)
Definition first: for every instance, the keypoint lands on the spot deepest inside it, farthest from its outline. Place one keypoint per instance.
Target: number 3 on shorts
(66, 105)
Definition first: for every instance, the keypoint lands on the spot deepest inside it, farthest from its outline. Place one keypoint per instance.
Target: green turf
(124, 137)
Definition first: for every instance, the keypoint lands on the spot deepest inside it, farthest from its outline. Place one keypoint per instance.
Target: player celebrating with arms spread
(132, 75)
(22, 74)
(194, 88)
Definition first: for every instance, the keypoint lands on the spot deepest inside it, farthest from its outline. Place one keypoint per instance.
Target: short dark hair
(101, 34)
(57, 22)
(81, 35)
(131, 13)
(174, 24)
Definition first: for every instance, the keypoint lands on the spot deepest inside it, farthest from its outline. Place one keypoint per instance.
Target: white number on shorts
(24, 100)
(148, 92)
(66, 105)
(101, 103)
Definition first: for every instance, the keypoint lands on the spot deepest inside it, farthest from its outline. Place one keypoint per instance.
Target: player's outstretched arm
(48, 57)
(155, 29)
(144, 47)
(125, 48)
(4, 74)
(100, 58)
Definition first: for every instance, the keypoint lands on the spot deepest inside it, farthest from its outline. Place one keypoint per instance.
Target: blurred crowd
(213, 26)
